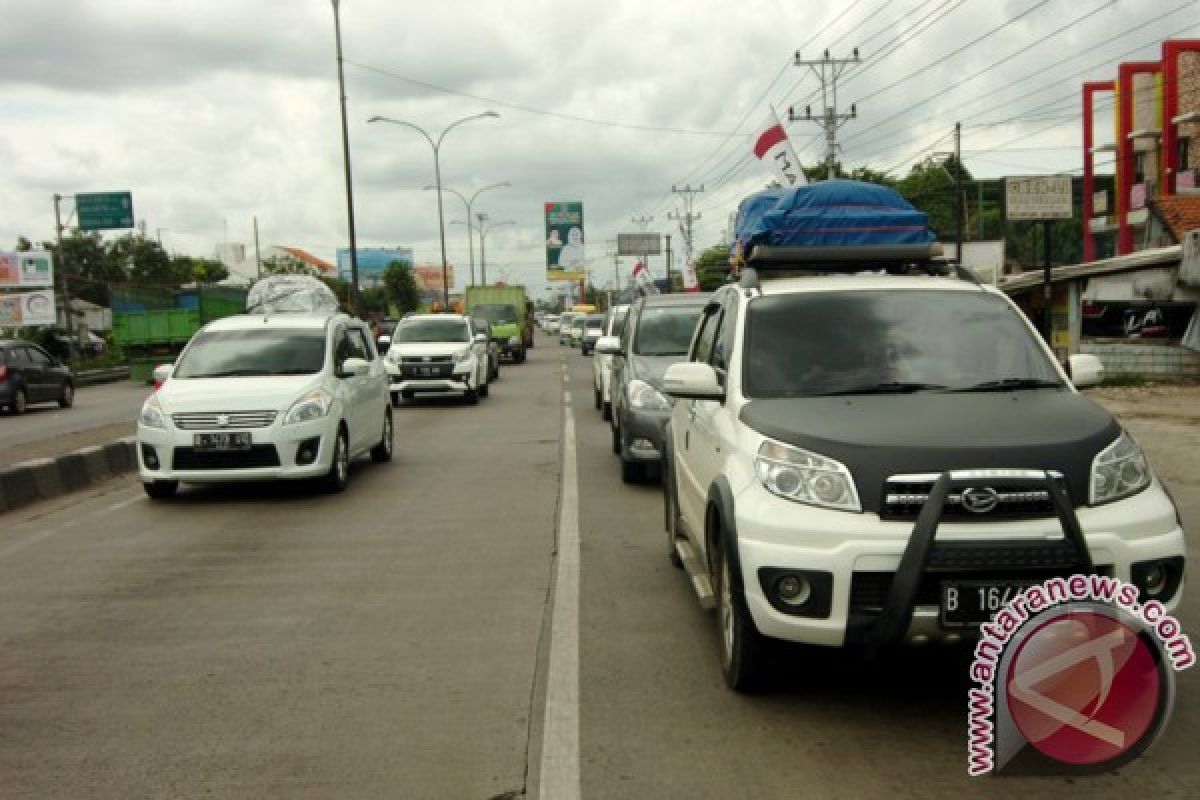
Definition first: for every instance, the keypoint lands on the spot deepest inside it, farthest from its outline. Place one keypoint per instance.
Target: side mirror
(608, 346)
(355, 367)
(161, 373)
(693, 381)
(1085, 370)
(481, 337)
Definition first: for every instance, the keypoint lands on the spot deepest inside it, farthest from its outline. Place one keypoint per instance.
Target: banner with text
(22, 270)
(565, 254)
(27, 308)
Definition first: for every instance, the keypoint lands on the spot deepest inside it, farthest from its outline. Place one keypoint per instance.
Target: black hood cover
(877, 436)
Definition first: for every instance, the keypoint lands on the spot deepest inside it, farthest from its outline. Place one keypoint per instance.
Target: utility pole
(355, 307)
(66, 284)
(827, 70)
(612, 251)
(688, 216)
(959, 209)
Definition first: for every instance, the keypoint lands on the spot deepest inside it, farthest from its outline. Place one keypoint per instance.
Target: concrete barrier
(44, 478)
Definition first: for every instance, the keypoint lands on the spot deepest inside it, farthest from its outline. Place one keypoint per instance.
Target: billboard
(1037, 197)
(26, 269)
(27, 308)
(639, 244)
(372, 263)
(566, 256)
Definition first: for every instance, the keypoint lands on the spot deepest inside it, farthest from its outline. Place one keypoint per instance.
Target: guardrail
(92, 377)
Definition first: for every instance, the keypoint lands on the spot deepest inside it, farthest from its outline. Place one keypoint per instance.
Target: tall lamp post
(468, 204)
(486, 225)
(337, 32)
(436, 144)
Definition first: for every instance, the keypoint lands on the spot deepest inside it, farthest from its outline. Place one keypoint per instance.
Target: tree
(373, 300)
(200, 270)
(87, 265)
(145, 261)
(712, 267)
(401, 285)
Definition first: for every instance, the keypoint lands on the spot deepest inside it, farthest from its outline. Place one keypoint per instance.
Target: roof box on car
(293, 294)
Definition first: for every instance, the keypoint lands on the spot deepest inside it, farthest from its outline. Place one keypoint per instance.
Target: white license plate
(222, 441)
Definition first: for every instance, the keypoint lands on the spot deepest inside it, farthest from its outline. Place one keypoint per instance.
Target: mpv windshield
(666, 331)
(276, 351)
(876, 342)
(432, 330)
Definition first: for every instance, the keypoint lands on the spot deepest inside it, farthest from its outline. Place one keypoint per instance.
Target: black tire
(616, 439)
(521, 356)
(485, 390)
(67, 398)
(606, 411)
(670, 513)
(471, 396)
(19, 403)
(339, 471)
(632, 471)
(382, 452)
(395, 399)
(743, 648)
(597, 398)
(161, 490)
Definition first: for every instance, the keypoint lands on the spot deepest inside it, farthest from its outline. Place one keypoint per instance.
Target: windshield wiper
(231, 373)
(892, 387)
(1010, 384)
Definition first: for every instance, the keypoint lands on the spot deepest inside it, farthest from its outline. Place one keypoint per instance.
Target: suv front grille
(221, 420)
(904, 495)
(427, 359)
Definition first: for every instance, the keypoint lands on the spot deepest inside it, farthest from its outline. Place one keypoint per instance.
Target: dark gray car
(657, 334)
(28, 374)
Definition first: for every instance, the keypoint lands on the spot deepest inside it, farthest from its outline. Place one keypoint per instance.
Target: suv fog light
(306, 453)
(642, 445)
(149, 457)
(794, 590)
(1157, 580)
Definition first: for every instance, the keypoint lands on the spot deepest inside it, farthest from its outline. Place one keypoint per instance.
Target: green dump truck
(151, 325)
(509, 314)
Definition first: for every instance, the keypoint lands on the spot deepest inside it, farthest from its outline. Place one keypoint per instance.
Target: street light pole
(437, 174)
(468, 204)
(337, 31)
(483, 229)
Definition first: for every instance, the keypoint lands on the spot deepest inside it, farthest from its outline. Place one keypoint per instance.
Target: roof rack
(894, 259)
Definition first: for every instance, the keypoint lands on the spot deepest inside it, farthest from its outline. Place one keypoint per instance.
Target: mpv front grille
(904, 495)
(223, 420)
(260, 455)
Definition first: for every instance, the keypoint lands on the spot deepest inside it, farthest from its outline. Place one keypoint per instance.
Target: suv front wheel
(743, 648)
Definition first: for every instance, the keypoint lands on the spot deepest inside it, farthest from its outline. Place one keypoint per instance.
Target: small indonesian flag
(772, 146)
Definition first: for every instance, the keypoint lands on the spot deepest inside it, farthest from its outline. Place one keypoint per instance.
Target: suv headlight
(462, 357)
(152, 414)
(1119, 471)
(645, 397)
(806, 477)
(311, 405)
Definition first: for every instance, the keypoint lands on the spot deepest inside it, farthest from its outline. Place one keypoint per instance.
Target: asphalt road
(101, 413)
(401, 640)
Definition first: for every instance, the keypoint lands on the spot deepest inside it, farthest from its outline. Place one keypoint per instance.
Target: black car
(28, 374)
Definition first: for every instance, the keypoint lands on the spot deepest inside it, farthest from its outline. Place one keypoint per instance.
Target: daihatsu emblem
(981, 500)
(223, 420)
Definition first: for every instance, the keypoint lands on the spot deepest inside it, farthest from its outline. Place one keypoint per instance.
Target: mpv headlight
(311, 405)
(806, 477)
(152, 414)
(1119, 471)
(645, 397)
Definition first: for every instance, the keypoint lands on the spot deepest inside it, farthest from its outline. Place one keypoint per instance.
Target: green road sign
(104, 210)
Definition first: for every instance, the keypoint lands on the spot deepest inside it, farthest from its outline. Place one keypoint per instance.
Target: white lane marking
(124, 503)
(559, 775)
(42, 535)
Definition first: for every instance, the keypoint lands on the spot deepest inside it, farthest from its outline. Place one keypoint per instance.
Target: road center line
(559, 774)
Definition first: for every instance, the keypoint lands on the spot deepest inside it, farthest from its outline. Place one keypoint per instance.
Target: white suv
(437, 354)
(265, 396)
(852, 458)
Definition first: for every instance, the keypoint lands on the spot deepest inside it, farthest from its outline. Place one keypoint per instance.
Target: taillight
(3, 372)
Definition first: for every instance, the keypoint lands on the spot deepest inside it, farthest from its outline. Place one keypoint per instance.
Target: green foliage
(712, 267)
(88, 265)
(200, 270)
(401, 286)
(145, 261)
(373, 300)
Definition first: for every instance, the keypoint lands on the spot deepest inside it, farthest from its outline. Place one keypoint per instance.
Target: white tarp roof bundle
(290, 293)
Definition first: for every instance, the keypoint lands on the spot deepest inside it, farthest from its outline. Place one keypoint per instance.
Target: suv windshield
(276, 351)
(829, 343)
(497, 314)
(431, 329)
(666, 331)
(595, 323)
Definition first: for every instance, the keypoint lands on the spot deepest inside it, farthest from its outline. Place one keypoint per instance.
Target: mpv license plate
(221, 441)
(976, 602)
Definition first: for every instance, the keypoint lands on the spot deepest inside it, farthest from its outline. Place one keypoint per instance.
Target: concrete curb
(44, 478)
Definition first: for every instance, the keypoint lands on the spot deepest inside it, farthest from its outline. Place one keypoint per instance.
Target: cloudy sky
(213, 112)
